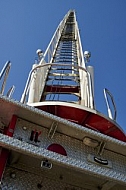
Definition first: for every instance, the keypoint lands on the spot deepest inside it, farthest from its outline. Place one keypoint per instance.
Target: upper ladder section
(60, 74)
(63, 83)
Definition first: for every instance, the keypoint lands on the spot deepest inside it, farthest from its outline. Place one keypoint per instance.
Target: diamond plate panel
(67, 162)
(74, 148)
(77, 153)
(21, 180)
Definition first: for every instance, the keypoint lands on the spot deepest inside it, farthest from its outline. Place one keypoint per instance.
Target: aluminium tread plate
(10, 107)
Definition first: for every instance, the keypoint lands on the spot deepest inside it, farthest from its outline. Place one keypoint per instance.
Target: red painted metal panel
(10, 129)
(67, 89)
(87, 119)
(57, 148)
(3, 160)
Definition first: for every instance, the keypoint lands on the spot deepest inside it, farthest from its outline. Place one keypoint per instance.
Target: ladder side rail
(83, 76)
(87, 98)
(80, 52)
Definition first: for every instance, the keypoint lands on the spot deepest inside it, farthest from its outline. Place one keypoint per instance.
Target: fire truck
(54, 138)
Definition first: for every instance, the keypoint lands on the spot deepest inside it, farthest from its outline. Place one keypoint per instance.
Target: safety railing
(5, 72)
(89, 97)
(107, 95)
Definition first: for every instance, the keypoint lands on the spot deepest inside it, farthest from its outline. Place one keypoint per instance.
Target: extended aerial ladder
(62, 84)
(63, 68)
(54, 138)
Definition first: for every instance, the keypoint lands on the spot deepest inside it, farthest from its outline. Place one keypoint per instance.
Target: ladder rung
(64, 74)
(61, 88)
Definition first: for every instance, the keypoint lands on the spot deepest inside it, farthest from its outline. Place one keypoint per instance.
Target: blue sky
(26, 25)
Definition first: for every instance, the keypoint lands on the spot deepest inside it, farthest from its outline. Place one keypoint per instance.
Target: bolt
(39, 186)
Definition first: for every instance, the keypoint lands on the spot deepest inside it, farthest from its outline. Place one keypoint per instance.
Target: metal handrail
(5, 71)
(23, 98)
(7, 64)
(10, 91)
(106, 92)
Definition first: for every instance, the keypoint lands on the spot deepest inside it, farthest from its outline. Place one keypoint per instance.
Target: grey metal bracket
(52, 129)
(101, 148)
